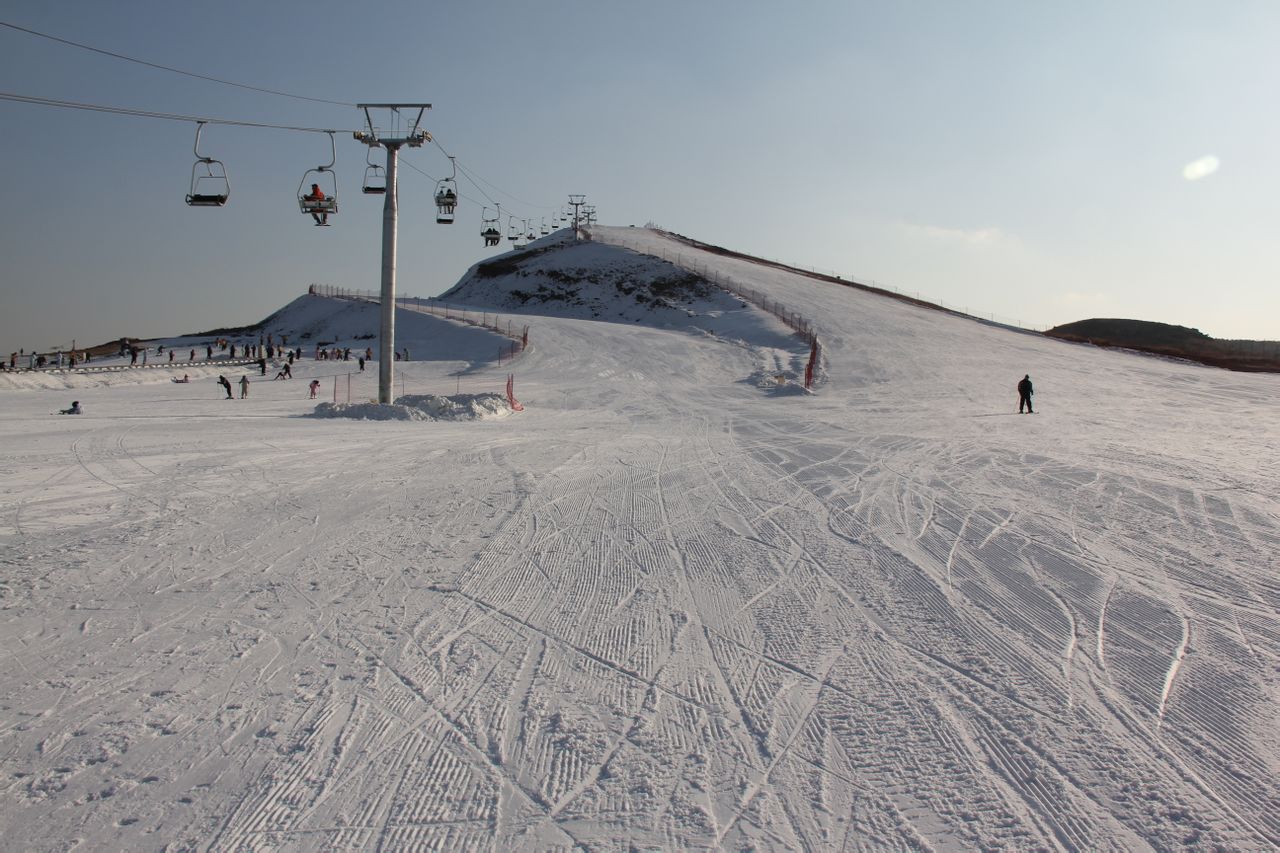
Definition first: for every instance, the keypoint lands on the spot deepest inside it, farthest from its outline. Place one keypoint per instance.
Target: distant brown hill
(1174, 341)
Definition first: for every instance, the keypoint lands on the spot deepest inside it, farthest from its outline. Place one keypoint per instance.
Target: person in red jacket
(317, 194)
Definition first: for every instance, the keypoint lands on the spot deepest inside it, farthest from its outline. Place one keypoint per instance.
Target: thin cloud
(1202, 168)
(966, 236)
(1078, 299)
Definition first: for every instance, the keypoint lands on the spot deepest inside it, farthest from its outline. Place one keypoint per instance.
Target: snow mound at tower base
(421, 407)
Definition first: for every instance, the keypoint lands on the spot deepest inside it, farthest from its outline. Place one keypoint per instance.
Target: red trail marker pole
(511, 396)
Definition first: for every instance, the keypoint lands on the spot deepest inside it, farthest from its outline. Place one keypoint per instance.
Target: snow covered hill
(666, 606)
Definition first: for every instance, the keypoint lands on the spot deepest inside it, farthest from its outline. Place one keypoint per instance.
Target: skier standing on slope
(1024, 394)
(226, 384)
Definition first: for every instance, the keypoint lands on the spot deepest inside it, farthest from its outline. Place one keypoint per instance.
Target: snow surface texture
(664, 606)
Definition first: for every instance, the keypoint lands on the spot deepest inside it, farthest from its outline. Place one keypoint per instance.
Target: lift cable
(474, 180)
(404, 161)
(436, 142)
(127, 111)
(173, 70)
(463, 171)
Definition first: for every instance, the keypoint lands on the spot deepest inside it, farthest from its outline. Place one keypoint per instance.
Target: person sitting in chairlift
(317, 195)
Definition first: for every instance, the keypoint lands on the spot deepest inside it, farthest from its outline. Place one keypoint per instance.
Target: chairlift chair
(546, 229)
(209, 184)
(513, 233)
(324, 178)
(489, 227)
(447, 197)
(375, 177)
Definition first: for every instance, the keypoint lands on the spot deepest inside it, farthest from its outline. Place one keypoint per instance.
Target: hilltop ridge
(1173, 341)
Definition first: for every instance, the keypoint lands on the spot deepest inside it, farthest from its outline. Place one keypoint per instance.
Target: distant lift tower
(403, 130)
(576, 201)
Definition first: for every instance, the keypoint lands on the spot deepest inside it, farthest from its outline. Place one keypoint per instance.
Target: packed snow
(676, 602)
(421, 407)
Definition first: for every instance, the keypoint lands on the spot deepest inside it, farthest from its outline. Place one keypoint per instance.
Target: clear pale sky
(1040, 162)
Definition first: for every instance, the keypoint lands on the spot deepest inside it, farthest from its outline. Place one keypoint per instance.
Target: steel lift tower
(407, 132)
(576, 201)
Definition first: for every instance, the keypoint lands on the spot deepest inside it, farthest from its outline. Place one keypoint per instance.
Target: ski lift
(318, 192)
(529, 236)
(375, 177)
(513, 233)
(546, 229)
(447, 197)
(209, 184)
(489, 230)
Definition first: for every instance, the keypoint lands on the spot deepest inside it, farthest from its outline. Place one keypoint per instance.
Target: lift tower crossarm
(413, 137)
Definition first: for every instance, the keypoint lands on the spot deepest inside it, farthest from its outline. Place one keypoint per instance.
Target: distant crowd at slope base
(138, 355)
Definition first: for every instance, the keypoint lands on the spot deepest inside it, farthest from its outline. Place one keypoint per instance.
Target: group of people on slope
(244, 386)
(225, 383)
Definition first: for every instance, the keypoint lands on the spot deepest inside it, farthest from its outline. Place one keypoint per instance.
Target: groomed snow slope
(666, 606)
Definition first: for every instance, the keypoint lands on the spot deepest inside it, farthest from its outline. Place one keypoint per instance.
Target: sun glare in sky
(1202, 168)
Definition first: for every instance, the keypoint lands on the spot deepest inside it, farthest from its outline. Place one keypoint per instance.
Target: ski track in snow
(665, 607)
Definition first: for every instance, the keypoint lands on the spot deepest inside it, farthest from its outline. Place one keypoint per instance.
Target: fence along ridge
(519, 336)
(793, 319)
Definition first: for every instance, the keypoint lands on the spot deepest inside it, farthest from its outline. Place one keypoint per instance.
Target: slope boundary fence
(799, 324)
(834, 278)
(518, 335)
(123, 368)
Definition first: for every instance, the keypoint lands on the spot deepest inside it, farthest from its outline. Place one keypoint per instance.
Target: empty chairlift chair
(209, 184)
(375, 177)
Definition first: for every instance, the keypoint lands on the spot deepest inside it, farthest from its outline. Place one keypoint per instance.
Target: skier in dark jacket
(226, 384)
(1024, 394)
